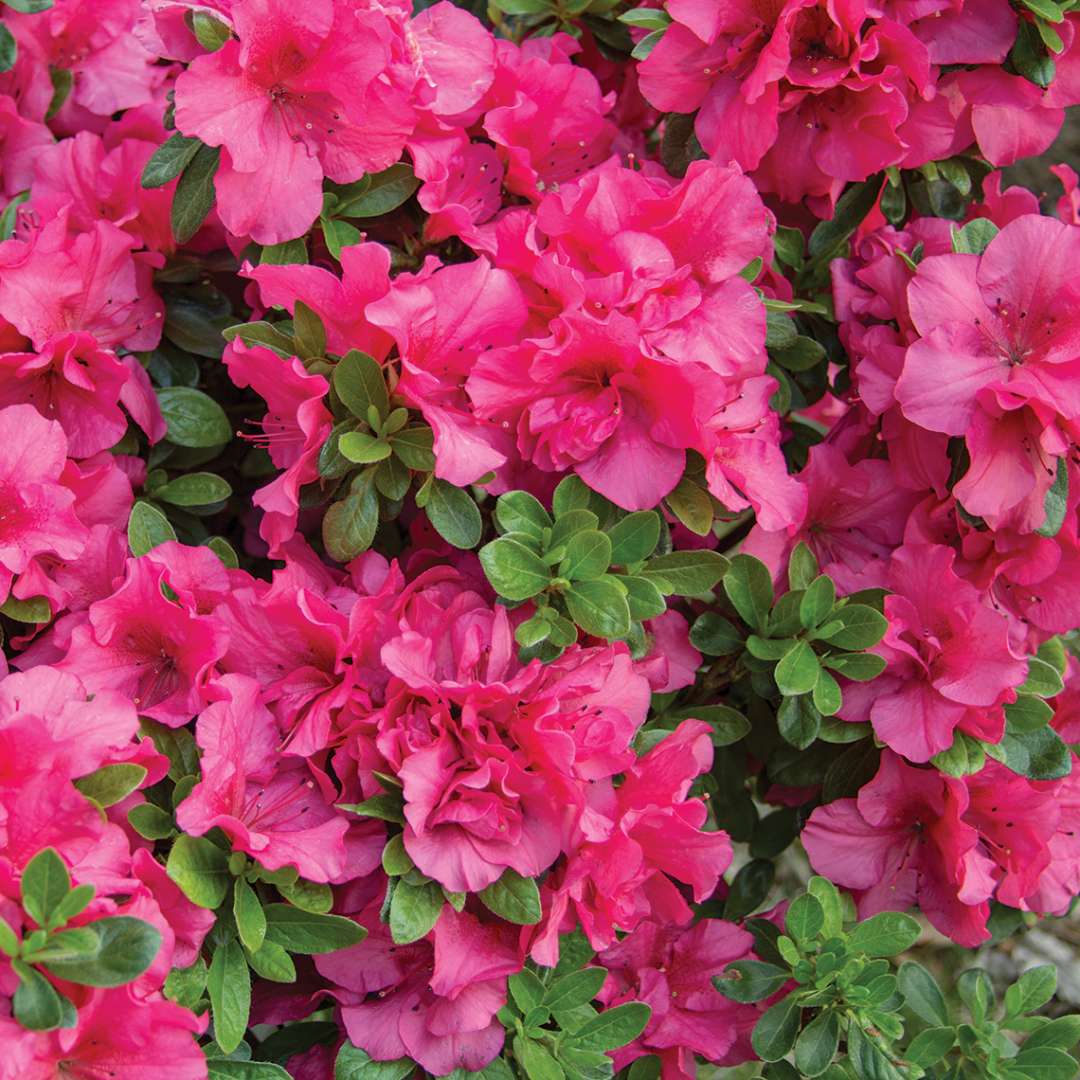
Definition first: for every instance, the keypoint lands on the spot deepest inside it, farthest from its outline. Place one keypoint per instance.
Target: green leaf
(866, 1059)
(817, 602)
(686, 573)
(359, 383)
(229, 987)
(211, 33)
(169, 160)
(966, 756)
(1042, 1063)
(514, 571)
(363, 449)
(974, 237)
(62, 79)
(66, 945)
(1062, 1033)
(127, 948)
(150, 822)
(44, 884)
(714, 635)
(1056, 503)
(612, 1028)
(885, 934)
(200, 869)
(749, 889)
(518, 511)
(1045, 9)
(930, 1046)
(248, 913)
(413, 446)
(9, 53)
(514, 898)
(1031, 991)
(147, 527)
(728, 724)
(859, 667)
(599, 608)
(307, 895)
(798, 670)
(774, 1034)
(354, 1064)
(1029, 57)
(588, 555)
(832, 907)
(230, 1069)
(186, 986)
(194, 419)
(577, 988)
(851, 208)
(414, 910)
(289, 253)
(1038, 754)
(748, 585)
(643, 598)
(922, 994)
(272, 962)
(194, 489)
(261, 333)
(1043, 679)
(194, 197)
(634, 537)
(817, 1044)
(747, 981)
(111, 783)
(536, 1062)
(308, 332)
(36, 1004)
(349, 525)
(826, 694)
(860, 627)
(306, 932)
(976, 992)
(692, 505)
(526, 989)
(35, 610)
(338, 235)
(805, 918)
(388, 807)
(454, 514)
(387, 191)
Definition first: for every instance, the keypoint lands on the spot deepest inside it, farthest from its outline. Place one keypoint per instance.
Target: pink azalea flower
(903, 841)
(302, 94)
(38, 511)
(53, 283)
(293, 430)
(340, 303)
(81, 385)
(142, 644)
(21, 142)
(950, 665)
(670, 968)
(274, 808)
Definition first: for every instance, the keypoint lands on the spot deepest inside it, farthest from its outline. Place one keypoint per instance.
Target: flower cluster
(477, 485)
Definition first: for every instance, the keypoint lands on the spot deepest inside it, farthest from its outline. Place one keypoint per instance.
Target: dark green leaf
(577, 988)
(455, 515)
(714, 635)
(1056, 503)
(413, 446)
(748, 585)
(974, 237)
(588, 555)
(518, 511)
(230, 1069)
(193, 418)
(851, 208)
(749, 889)
(817, 601)
(194, 197)
(750, 980)
(859, 667)
(414, 910)
(514, 898)
(798, 670)
(686, 573)
(128, 947)
(194, 489)
(169, 160)
(1043, 679)
(774, 1034)
(36, 1004)
(922, 993)
(930, 1046)
(817, 1044)
(805, 918)
(860, 627)
(349, 525)
(289, 253)
(692, 505)
(1038, 754)
(386, 191)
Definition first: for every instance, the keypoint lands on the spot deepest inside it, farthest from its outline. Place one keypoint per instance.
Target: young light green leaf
(1031, 991)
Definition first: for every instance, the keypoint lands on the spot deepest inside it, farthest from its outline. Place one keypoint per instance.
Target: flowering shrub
(489, 492)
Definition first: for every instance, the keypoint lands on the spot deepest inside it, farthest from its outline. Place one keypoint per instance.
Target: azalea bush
(538, 539)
